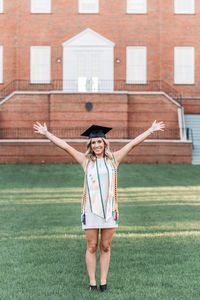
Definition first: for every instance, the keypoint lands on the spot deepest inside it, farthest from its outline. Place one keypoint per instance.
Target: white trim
(8, 97)
(64, 92)
(171, 99)
(105, 41)
(181, 123)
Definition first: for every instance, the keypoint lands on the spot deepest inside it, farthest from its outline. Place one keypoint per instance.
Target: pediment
(88, 37)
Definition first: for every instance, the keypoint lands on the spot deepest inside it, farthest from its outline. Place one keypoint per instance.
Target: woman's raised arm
(78, 156)
(119, 155)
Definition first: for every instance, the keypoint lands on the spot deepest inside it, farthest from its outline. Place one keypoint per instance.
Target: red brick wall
(175, 153)
(23, 110)
(8, 39)
(68, 110)
(145, 108)
(179, 30)
(65, 22)
(191, 106)
(63, 111)
(160, 30)
(123, 111)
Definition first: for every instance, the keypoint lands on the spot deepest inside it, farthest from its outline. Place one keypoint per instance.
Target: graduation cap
(95, 131)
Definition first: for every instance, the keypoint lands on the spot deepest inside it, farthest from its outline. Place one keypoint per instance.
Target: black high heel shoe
(93, 287)
(103, 287)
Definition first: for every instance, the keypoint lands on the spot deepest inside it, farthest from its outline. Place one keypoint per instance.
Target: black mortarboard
(96, 131)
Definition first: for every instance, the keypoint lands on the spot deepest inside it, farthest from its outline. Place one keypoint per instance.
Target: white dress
(92, 220)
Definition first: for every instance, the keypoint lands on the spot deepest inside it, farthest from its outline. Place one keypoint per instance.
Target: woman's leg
(105, 243)
(92, 236)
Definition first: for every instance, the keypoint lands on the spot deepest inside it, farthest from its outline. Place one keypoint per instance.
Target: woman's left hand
(157, 126)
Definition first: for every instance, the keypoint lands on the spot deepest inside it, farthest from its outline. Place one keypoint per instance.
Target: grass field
(155, 252)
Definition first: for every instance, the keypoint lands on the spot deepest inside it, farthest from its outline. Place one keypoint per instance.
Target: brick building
(130, 61)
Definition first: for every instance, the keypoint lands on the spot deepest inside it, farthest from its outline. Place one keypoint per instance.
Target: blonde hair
(91, 155)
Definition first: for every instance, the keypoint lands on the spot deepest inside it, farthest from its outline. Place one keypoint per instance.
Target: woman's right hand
(40, 129)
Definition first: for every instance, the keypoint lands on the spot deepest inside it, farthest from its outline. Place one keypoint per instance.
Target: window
(1, 6)
(184, 65)
(1, 64)
(136, 6)
(184, 6)
(40, 64)
(136, 61)
(40, 6)
(88, 6)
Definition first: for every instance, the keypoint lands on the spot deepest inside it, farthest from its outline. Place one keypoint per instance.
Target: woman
(99, 205)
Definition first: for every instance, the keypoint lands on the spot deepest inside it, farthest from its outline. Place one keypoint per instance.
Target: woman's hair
(90, 153)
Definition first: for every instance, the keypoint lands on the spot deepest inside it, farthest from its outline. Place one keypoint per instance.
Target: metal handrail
(100, 86)
(74, 133)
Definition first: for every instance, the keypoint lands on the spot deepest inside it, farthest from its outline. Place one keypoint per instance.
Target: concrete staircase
(193, 124)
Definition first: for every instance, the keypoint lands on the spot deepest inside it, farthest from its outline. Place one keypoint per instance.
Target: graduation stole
(93, 187)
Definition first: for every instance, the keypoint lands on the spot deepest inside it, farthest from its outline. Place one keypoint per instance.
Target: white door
(88, 69)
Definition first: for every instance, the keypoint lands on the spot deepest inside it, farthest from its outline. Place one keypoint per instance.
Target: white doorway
(88, 63)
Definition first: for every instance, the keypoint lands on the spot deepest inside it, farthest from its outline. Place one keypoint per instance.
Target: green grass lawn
(155, 252)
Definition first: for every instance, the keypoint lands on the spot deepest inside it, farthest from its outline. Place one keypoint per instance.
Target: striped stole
(93, 187)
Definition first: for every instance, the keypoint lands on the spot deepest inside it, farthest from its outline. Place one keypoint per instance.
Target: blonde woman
(99, 205)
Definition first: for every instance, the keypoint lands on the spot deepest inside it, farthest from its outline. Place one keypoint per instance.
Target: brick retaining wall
(44, 152)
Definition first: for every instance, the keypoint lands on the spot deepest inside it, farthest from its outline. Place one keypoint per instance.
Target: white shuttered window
(184, 6)
(88, 6)
(1, 64)
(40, 64)
(40, 6)
(136, 6)
(136, 65)
(184, 65)
(1, 6)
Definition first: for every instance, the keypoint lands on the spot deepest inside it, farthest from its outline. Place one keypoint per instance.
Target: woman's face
(98, 147)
